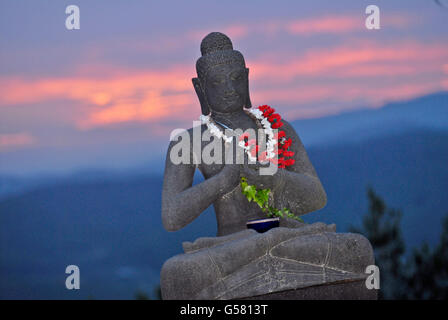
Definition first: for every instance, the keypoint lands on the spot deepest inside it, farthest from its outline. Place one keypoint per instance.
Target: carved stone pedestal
(344, 290)
(279, 264)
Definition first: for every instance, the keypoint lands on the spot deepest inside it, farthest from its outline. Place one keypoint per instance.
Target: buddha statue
(288, 261)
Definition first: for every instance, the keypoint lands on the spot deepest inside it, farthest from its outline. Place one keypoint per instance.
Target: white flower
(204, 119)
(270, 144)
(265, 123)
(257, 113)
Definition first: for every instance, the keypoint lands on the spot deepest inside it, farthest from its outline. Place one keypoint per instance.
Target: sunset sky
(109, 94)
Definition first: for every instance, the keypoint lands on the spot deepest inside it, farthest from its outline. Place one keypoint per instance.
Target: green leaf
(261, 197)
(259, 202)
(266, 193)
(250, 192)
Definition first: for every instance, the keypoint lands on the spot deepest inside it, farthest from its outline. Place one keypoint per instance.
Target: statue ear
(200, 93)
(248, 103)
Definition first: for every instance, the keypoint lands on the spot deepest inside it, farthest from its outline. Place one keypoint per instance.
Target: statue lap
(250, 265)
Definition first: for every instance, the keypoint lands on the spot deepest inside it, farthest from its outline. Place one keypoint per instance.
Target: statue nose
(230, 90)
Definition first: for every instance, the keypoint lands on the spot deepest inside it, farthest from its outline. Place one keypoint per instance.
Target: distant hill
(408, 170)
(427, 112)
(111, 228)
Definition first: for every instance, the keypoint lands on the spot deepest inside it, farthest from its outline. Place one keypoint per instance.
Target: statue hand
(252, 173)
(231, 170)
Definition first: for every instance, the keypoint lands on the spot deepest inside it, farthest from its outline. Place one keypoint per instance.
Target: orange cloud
(342, 74)
(151, 107)
(123, 97)
(95, 90)
(15, 140)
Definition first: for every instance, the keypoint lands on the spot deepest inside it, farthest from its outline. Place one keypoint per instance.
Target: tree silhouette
(421, 275)
(427, 270)
(382, 227)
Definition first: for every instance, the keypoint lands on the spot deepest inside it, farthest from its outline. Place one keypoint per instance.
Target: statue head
(222, 84)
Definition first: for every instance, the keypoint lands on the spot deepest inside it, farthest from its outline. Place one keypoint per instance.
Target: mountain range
(109, 224)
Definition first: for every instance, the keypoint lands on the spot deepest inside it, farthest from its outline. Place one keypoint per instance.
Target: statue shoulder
(181, 148)
(290, 132)
(184, 135)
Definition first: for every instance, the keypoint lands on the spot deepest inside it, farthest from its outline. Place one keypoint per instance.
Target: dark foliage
(423, 274)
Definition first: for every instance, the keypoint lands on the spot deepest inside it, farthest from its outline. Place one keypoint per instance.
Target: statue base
(312, 262)
(353, 290)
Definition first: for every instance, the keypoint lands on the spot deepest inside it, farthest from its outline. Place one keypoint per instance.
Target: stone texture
(344, 290)
(279, 260)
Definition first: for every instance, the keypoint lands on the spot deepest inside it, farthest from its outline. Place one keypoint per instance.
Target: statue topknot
(215, 41)
(216, 49)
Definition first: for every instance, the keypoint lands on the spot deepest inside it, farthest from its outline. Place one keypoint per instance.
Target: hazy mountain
(112, 229)
(427, 112)
(430, 111)
(108, 223)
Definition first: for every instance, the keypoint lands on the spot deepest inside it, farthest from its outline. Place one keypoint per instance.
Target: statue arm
(298, 187)
(181, 201)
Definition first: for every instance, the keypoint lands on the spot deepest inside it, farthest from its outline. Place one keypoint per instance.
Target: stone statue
(285, 262)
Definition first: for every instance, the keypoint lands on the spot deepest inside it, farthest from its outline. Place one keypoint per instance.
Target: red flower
(268, 111)
(287, 143)
(281, 163)
(279, 134)
(279, 148)
(274, 116)
(277, 125)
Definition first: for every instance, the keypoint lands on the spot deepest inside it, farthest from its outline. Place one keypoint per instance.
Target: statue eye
(218, 81)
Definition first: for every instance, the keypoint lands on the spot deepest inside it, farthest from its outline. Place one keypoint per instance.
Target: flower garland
(276, 144)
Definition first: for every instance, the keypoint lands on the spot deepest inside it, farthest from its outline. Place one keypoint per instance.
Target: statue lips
(231, 98)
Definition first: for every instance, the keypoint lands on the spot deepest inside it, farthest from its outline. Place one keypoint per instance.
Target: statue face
(226, 87)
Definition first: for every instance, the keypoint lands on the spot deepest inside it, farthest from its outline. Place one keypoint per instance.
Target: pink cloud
(15, 140)
(338, 24)
(325, 61)
(311, 101)
(342, 74)
(123, 97)
(329, 24)
(151, 107)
